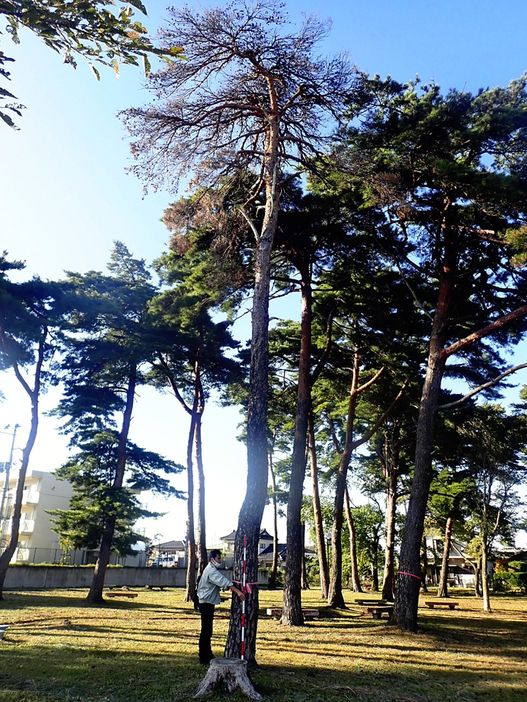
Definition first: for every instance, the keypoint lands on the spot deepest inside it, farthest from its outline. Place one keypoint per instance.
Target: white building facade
(37, 541)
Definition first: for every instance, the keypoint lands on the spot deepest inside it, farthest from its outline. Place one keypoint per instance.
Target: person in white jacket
(209, 586)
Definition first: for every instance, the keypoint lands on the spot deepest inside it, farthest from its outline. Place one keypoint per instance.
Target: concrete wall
(42, 577)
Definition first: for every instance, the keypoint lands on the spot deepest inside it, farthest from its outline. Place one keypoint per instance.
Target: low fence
(37, 577)
(79, 557)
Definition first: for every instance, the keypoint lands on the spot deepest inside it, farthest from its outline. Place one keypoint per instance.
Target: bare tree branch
(489, 384)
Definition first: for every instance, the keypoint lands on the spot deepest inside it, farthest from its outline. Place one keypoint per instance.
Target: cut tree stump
(227, 675)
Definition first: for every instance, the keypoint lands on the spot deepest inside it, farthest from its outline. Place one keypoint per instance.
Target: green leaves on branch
(89, 28)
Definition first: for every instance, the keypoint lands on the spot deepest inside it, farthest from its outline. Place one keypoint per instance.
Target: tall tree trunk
(33, 395)
(250, 518)
(191, 536)
(424, 559)
(194, 438)
(304, 583)
(201, 528)
(355, 580)
(408, 583)
(442, 588)
(375, 566)
(388, 583)
(409, 580)
(477, 578)
(292, 602)
(485, 591)
(274, 565)
(7, 469)
(95, 592)
(317, 512)
(335, 596)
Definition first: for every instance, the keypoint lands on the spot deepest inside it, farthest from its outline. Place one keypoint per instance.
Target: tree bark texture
(274, 565)
(424, 560)
(304, 584)
(335, 596)
(355, 579)
(409, 576)
(96, 588)
(388, 584)
(191, 535)
(250, 518)
(227, 676)
(442, 588)
(477, 579)
(33, 395)
(485, 590)
(292, 600)
(200, 474)
(317, 512)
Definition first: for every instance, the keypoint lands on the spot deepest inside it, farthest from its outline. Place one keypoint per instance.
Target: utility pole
(7, 469)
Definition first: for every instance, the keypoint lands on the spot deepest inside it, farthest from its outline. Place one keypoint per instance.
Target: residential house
(460, 570)
(265, 559)
(169, 554)
(264, 540)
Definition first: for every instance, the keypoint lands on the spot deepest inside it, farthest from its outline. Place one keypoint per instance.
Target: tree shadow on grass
(64, 673)
(19, 600)
(325, 684)
(61, 673)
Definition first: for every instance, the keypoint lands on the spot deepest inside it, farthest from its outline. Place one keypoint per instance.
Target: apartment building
(37, 542)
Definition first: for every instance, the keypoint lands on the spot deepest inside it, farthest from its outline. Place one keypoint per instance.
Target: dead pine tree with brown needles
(251, 98)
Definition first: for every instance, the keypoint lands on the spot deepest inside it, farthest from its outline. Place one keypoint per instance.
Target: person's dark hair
(215, 552)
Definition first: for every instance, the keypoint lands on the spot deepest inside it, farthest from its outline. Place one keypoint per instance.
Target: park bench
(120, 593)
(277, 612)
(377, 612)
(371, 603)
(450, 605)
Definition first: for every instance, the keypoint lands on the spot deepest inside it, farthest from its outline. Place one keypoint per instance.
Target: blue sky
(65, 194)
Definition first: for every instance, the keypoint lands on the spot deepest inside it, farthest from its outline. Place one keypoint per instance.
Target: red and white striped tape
(244, 581)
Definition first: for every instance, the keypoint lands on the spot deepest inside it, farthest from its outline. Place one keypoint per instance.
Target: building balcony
(21, 555)
(30, 497)
(27, 526)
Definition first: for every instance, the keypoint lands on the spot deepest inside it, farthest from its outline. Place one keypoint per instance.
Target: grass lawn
(59, 650)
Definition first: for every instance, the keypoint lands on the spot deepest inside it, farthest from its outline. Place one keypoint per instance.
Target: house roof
(270, 549)
(282, 549)
(264, 536)
(176, 545)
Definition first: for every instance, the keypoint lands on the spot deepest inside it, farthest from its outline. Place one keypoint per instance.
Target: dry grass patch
(59, 650)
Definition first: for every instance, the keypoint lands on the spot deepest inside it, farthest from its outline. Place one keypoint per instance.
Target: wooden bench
(377, 612)
(371, 603)
(440, 603)
(120, 593)
(277, 613)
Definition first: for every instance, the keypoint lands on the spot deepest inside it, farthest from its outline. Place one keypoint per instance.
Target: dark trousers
(207, 617)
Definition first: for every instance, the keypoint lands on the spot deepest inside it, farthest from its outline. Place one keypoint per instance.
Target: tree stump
(227, 675)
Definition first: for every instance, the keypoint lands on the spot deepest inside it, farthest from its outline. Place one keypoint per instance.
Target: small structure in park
(227, 675)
